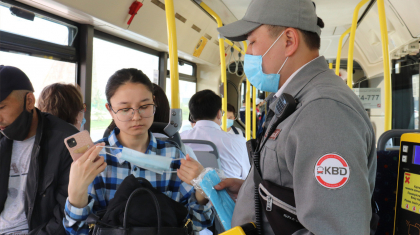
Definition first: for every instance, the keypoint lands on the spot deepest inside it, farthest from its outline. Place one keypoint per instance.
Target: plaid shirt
(104, 186)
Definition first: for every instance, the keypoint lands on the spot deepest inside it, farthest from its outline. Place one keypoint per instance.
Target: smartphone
(78, 144)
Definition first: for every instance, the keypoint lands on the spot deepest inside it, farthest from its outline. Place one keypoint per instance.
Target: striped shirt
(104, 186)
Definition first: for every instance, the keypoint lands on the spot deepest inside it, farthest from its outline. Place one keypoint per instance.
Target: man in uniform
(324, 151)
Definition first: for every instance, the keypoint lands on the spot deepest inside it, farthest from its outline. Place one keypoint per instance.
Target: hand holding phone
(78, 144)
(82, 173)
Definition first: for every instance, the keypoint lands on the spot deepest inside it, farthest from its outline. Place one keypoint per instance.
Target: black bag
(135, 209)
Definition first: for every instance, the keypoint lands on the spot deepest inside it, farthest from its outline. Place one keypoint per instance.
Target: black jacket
(48, 175)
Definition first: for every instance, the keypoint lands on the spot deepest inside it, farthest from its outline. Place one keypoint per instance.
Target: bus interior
(85, 42)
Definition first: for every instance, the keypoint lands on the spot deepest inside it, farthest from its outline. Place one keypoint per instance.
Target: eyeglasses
(83, 109)
(145, 111)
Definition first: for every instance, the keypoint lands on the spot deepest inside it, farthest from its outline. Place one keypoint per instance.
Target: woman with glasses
(94, 180)
(63, 101)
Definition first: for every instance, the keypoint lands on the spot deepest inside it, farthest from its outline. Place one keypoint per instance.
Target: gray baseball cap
(299, 14)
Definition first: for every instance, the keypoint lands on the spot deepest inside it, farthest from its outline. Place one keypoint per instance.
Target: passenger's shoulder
(58, 126)
(185, 133)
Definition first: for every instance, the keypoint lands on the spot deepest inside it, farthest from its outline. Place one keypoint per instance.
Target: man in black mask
(34, 162)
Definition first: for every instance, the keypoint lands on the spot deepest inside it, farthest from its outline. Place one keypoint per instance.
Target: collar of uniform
(290, 78)
(206, 123)
(302, 78)
(113, 142)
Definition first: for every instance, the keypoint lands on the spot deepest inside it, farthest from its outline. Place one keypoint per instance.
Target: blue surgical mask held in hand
(221, 200)
(155, 163)
(254, 72)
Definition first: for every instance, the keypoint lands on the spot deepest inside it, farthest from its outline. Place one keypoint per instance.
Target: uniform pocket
(270, 166)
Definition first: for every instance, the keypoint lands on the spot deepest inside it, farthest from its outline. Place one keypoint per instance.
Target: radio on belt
(407, 212)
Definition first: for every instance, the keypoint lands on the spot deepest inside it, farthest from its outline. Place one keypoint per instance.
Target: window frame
(10, 42)
(125, 43)
(185, 77)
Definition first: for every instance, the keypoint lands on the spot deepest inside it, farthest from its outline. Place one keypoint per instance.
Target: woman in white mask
(65, 102)
(94, 180)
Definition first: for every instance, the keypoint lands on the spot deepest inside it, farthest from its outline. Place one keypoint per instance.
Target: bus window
(183, 68)
(109, 57)
(41, 28)
(42, 72)
(186, 90)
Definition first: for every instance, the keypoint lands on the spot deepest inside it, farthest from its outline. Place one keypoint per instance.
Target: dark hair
(190, 118)
(124, 76)
(232, 109)
(61, 100)
(204, 105)
(162, 103)
(312, 40)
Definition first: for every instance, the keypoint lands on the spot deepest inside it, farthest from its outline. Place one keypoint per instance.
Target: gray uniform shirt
(329, 121)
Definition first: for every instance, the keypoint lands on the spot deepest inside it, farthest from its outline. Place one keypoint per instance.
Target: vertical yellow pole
(222, 62)
(254, 112)
(330, 65)
(351, 43)
(248, 111)
(173, 53)
(386, 61)
(340, 45)
(247, 104)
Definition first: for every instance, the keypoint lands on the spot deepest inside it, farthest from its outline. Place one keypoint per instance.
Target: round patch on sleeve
(332, 171)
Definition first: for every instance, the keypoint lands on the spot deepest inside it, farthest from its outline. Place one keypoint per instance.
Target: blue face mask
(254, 72)
(83, 123)
(155, 163)
(229, 123)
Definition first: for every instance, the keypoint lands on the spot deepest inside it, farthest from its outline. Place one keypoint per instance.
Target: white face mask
(155, 163)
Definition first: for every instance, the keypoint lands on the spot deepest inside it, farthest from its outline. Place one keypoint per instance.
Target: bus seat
(159, 127)
(385, 187)
(387, 135)
(208, 158)
(386, 180)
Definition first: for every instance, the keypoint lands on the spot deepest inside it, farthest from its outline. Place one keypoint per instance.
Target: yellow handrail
(340, 44)
(248, 105)
(254, 112)
(248, 111)
(351, 43)
(387, 76)
(222, 62)
(173, 53)
(234, 46)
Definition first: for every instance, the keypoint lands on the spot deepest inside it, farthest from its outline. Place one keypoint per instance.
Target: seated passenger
(94, 180)
(205, 108)
(63, 101)
(231, 117)
(33, 184)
